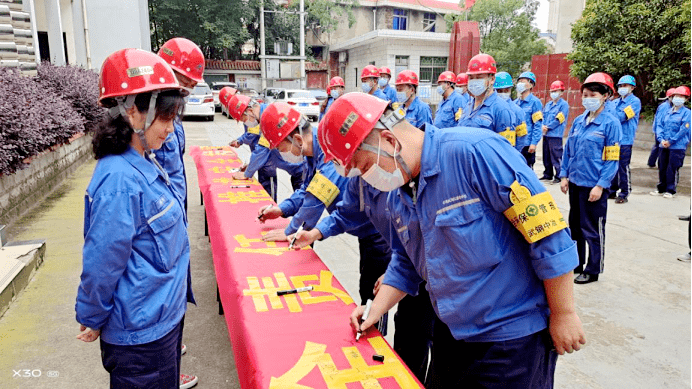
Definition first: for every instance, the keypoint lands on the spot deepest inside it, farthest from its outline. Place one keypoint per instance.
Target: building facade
(561, 16)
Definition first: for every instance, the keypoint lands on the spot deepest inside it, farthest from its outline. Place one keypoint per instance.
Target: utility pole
(303, 78)
(263, 49)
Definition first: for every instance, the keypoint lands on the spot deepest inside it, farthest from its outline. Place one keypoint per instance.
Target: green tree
(506, 31)
(649, 39)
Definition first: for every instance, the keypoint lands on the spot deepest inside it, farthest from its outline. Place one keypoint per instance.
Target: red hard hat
(225, 95)
(447, 76)
(557, 85)
(407, 77)
(385, 70)
(237, 105)
(670, 91)
(462, 79)
(600, 78)
(482, 64)
(337, 81)
(278, 120)
(134, 71)
(184, 57)
(370, 71)
(682, 90)
(346, 125)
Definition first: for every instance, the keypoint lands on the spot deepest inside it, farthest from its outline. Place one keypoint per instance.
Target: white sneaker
(668, 195)
(655, 193)
(183, 350)
(684, 257)
(188, 381)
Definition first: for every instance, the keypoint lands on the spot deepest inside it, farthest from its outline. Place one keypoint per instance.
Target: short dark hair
(596, 87)
(113, 134)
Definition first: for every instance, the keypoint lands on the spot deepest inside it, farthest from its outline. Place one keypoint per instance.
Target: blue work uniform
(555, 115)
(493, 114)
(465, 98)
(170, 157)
(533, 115)
(418, 113)
(661, 111)
(590, 158)
(610, 106)
(449, 111)
(379, 94)
(390, 93)
(675, 128)
(518, 124)
(455, 237)
(135, 282)
(627, 110)
(330, 100)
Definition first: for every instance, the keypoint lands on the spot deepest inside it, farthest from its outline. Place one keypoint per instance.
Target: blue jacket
(304, 206)
(418, 113)
(533, 111)
(675, 128)
(449, 111)
(610, 107)
(627, 110)
(583, 157)
(518, 125)
(360, 204)
(390, 93)
(465, 98)
(330, 100)
(170, 156)
(483, 277)
(379, 94)
(494, 115)
(552, 119)
(135, 280)
(661, 112)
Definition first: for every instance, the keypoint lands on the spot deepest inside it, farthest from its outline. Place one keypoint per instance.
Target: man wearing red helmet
(471, 219)
(451, 107)
(661, 111)
(555, 115)
(417, 112)
(461, 88)
(336, 89)
(368, 79)
(383, 82)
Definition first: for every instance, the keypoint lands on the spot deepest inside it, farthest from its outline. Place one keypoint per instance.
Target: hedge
(39, 112)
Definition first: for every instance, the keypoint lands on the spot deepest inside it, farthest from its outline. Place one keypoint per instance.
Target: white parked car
(303, 101)
(200, 102)
(216, 87)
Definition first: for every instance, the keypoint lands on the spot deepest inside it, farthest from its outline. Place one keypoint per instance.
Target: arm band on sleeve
(560, 117)
(534, 216)
(510, 135)
(611, 153)
(629, 112)
(457, 115)
(521, 129)
(538, 115)
(323, 189)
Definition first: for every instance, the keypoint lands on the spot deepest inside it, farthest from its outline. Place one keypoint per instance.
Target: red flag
(469, 4)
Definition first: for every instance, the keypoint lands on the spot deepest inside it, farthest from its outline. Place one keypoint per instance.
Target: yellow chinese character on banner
(268, 248)
(315, 355)
(251, 196)
(268, 289)
(226, 160)
(212, 153)
(231, 181)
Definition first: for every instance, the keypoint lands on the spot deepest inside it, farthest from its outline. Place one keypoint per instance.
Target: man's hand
(378, 284)
(277, 235)
(269, 212)
(564, 185)
(356, 316)
(243, 168)
(595, 193)
(566, 331)
(545, 130)
(665, 144)
(532, 149)
(239, 176)
(235, 144)
(87, 334)
(305, 238)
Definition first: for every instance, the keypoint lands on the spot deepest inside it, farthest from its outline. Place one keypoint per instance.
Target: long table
(294, 341)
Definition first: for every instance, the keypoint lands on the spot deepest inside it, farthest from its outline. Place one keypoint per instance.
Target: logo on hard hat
(348, 123)
(140, 71)
(282, 122)
(168, 51)
(237, 106)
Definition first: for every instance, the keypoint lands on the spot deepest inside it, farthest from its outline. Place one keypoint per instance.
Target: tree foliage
(506, 31)
(649, 39)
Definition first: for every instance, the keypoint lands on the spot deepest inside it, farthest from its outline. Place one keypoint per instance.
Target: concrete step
(18, 263)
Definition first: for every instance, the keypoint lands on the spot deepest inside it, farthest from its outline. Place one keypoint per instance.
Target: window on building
(400, 19)
(429, 22)
(400, 63)
(431, 67)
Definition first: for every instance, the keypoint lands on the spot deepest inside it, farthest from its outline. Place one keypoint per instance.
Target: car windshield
(221, 86)
(318, 93)
(299, 95)
(201, 90)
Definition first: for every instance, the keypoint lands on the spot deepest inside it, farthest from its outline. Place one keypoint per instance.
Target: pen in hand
(368, 305)
(295, 236)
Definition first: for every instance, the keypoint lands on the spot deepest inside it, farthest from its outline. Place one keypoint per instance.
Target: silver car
(200, 102)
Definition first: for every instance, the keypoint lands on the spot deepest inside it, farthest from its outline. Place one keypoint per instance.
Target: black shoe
(578, 270)
(556, 181)
(586, 278)
(612, 195)
(684, 218)
(621, 200)
(545, 178)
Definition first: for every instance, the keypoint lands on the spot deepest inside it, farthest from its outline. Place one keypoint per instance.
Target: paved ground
(637, 317)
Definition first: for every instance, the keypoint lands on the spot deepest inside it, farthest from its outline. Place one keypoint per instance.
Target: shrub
(32, 119)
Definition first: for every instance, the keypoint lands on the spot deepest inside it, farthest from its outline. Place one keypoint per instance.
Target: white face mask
(381, 179)
(477, 86)
(383, 81)
(335, 94)
(401, 97)
(355, 172)
(521, 87)
(554, 95)
(365, 86)
(460, 90)
(289, 157)
(592, 104)
(251, 121)
(623, 91)
(678, 101)
(505, 96)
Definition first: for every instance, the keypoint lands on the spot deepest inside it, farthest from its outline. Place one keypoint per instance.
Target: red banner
(300, 340)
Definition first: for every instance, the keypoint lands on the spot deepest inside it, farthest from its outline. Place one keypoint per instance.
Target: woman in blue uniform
(673, 134)
(417, 112)
(135, 282)
(589, 163)
(452, 105)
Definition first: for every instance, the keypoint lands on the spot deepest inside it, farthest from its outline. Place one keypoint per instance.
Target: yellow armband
(560, 117)
(629, 112)
(510, 135)
(521, 129)
(457, 115)
(538, 115)
(534, 216)
(611, 153)
(254, 130)
(264, 142)
(323, 189)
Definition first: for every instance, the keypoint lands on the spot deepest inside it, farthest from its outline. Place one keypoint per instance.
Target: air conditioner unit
(343, 56)
(283, 48)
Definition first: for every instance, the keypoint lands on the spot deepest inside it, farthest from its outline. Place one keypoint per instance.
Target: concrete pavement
(636, 317)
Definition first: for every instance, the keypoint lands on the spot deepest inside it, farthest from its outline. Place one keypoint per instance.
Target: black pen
(296, 290)
(239, 186)
(290, 246)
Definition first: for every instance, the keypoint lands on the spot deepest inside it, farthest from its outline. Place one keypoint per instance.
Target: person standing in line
(503, 86)
(462, 89)
(369, 82)
(336, 89)
(417, 112)
(451, 107)
(627, 110)
(661, 111)
(589, 163)
(383, 82)
(555, 115)
(533, 112)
